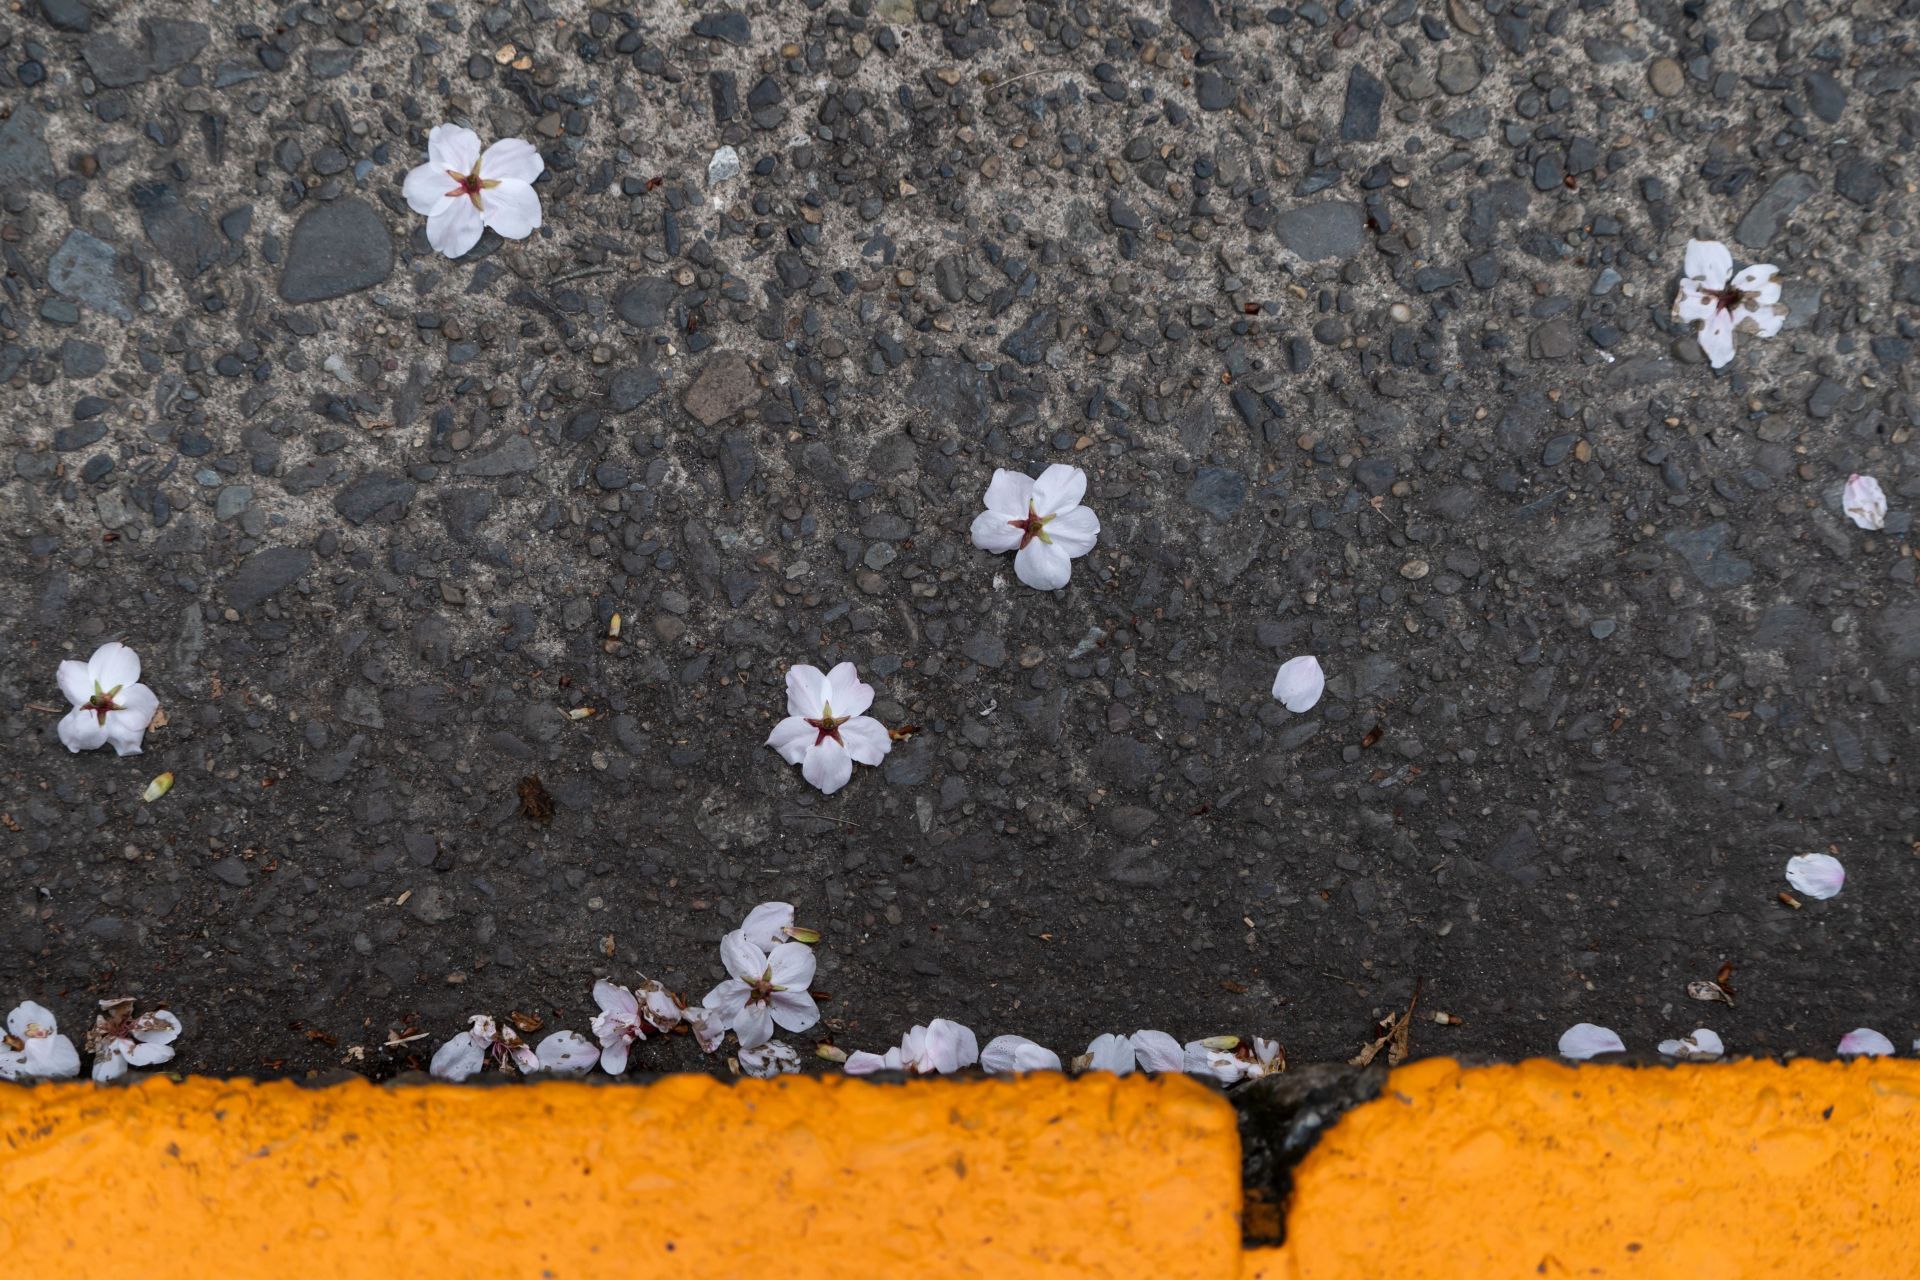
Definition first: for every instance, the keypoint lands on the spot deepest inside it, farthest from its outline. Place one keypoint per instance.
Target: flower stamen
(828, 725)
(1034, 526)
(102, 701)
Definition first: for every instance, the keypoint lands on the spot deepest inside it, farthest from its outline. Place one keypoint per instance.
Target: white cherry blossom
(767, 988)
(1702, 1046)
(110, 705)
(1299, 683)
(774, 1058)
(1017, 1053)
(1723, 303)
(462, 192)
(1864, 1042)
(1583, 1040)
(119, 1040)
(34, 1048)
(1040, 521)
(1864, 502)
(939, 1048)
(1818, 875)
(826, 732)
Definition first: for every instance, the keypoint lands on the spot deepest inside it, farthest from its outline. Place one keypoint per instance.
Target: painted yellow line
(1711, 1172)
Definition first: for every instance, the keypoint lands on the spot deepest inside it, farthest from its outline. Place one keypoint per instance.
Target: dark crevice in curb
(1281, 1118)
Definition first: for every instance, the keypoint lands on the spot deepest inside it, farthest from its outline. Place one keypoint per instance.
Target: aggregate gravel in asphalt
(1355, 313)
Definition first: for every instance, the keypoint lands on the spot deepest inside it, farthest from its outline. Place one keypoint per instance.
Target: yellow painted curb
(1714, 1172)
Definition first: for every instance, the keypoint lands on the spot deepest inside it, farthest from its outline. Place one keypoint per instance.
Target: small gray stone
(1826, 96)
(1459, 71)
(643, 304)
(24, 159)
(1328, 229)
(724, 165)
(725, 386)
(631, 388)
(1218, 491)
(337, 248)
(1771, 211)
(514, 457)
(233, 499)
(1028, 344)
(1706, 553)
(82, 269)
(1666, 77)
(230, 870)
(1360, 118)
(1552, 340)
(430, 904)
(378, 494)
(266, 572)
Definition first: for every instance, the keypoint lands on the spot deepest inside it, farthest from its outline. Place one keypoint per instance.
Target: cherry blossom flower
(1864, 1042)
(774, 1058)
(939, 1048)
(119, 1040)
(463, 192)
(1299, 684)
(109, 702)
(1818, 875)
(825, 731)
(626, 1016)
(467, 1052)
(1702, 1046)
(1017, 1053)
(1583, 1040)
(1724, 303)
(34, 1049)
(767, 988)
(1040, 521)
(1864, 502)
(567, 1053)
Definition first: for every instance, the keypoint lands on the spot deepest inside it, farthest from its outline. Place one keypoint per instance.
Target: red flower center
(470, 185)
(102, 701)
(828, 725)
(1034, 526)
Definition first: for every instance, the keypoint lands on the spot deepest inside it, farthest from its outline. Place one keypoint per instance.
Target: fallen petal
(1818, 875)
(1864, 1042)
(1864, 502)
(1299, 684)
(1583, 1040)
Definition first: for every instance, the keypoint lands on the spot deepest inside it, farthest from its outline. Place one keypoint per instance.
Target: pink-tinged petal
(1157, 1051)
(1817, 875)
(754, 1026)
(455, 229)
(113, 665)
(709, 1029)
(1583, 1040)
(793, 1010)
(567, 1053)
(968, 1044)
(1716, 339)
(792, 965)
(845, 691)
(1762, 279)
(661, 1008)
(867, 740)
(1864, 1042)
(1763, 322)
(1709, 262)
(940, 1051)
(615, 999)
(1043, 566)
(81, 730)
(525, 1060)
(862, 1063)
(767, 924)
(743, 960)
(1111, 1053)
(30, 1019)
(994, 531)
(791, 738)
(75, 683)
(453, 146)
(1017, 1053)
(426, 188)
(806, 691)
(726, 1000)
(1703, 1045)
(149, 1055)
(1299, 683)
(109, 1065)
(127, 726)
(613, 1057)
(1059, 489)
(512, 209)
(1074, 530)
(511, 160)
(1008, 494)
(1690, 304)
(827, 766)
(1864, 502)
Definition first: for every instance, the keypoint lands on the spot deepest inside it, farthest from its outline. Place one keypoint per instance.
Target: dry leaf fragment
(1395, 1035)
(158, 787)
(1707, 992)
(528, 1023)
(535, 803)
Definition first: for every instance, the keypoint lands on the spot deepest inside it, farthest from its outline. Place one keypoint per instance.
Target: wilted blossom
(1299, 684)
(771, 1059)
(1864, 1042)
(939, 1048)
(110, 705)
(1262, 1058)
(34, 1049)
(119, 1040)
(708, 1025)
(1818, 875)
(1723, 303)
(467, 1052)
(1864, 502)
(627, 1015)
(1017, 1053)
(826, 731)
(1702, 1046)
(1040, 521)
(463, 192)
(1214, 1057)
(1583, 1040)
(767, 988)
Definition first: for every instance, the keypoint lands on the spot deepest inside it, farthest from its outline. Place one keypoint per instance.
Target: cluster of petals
(110, 705)
(768, 977)
(34, 1048)
(1723, 303)
(562, 1052)
(1041, 521)
(1700, 1045)
(120, 1039)
(827, 730)
(941, 1047)
(463, 191)
(628, 1014)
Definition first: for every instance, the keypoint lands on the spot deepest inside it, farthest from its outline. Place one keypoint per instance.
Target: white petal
(1215, 1063)
(791, 738)
(867, 739)
(1698, 1047)
(114, 665)
(754, 1026)
(567, 1053)
(426, 188)
(1818, 875)
(1761, 322)
(149, 1055)
(1042, 566)
(1009, 493)
(109, 1065)
(1110, 1053)
(512, 209)
(1863, 501)
(770, 1059)
(453, 146)
(742, 959)
(455, 229)
(1299, 683)
(75, 683)
(709, 1029)
(767, 924)
(615, 999)
(51, 1058)
(1692, 305)
(511, 160)
(1709, 262)
(1583, 1040)
(1059, 488)
(806, 691)
(1763, 278)
(994, 531)
(1157, 1051)
(845, 693)
(128, 725)
(1864, 1042)
(827, 766)
(158, 1027)
(662, 1008)
(81, 730)
(862, 1063)
(1074, 530)
(791, 965)
(613, 1057)
(1017, 1053)
(28, 1019)
(1716, 339)
(724, 1002)
(793, 1010)
(947, 1047)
